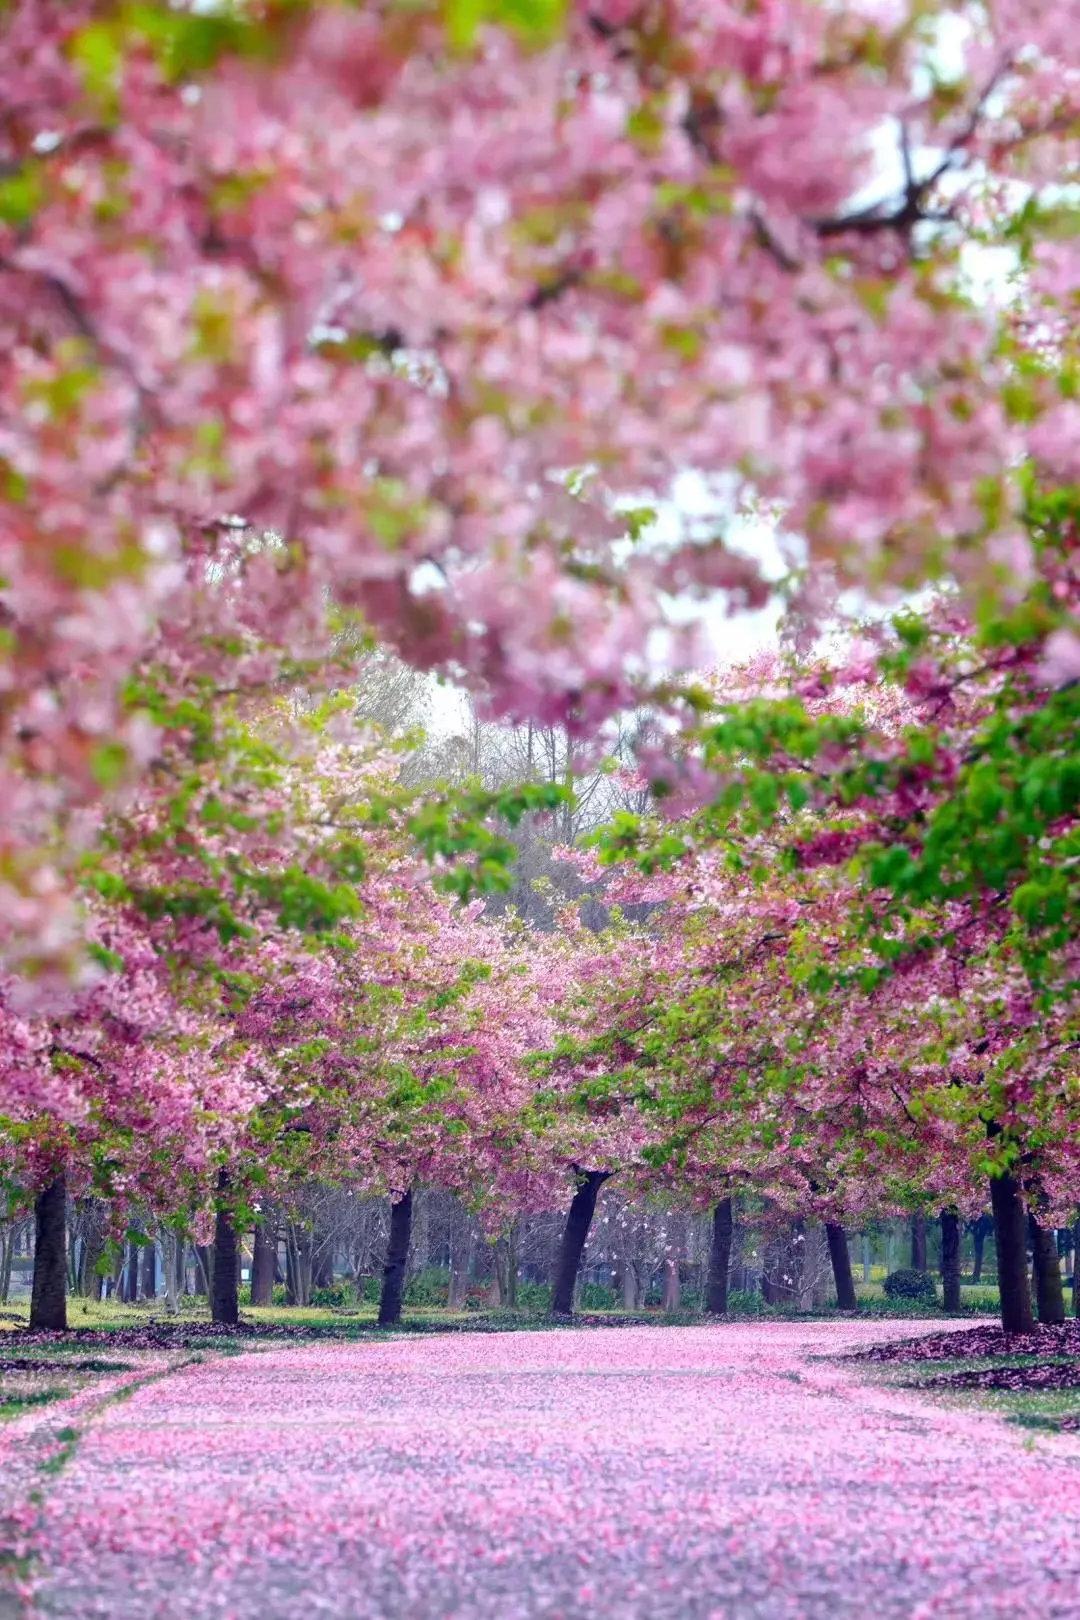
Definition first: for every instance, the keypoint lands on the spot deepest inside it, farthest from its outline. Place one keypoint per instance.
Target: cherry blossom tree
(313, 312)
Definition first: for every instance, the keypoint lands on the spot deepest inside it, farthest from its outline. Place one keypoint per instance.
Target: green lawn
(1032, 1408)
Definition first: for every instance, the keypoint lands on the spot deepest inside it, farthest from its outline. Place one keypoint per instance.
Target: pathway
(714, 1473)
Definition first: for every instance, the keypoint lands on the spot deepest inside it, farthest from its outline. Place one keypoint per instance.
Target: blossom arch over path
(685, 1473)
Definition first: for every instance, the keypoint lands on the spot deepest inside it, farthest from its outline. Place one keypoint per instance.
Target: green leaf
(20, 196)
(537, 22)
(108, 764)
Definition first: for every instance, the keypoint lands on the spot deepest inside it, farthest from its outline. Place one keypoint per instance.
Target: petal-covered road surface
(714, 1473)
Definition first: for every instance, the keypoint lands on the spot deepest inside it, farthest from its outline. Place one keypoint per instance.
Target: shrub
(335, 1297)
(429, 1287)
(596, 1297)
(907, 1283)
(745, 1302)
(533, 1296)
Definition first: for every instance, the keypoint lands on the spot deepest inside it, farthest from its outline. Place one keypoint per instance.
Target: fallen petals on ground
(713, 1473)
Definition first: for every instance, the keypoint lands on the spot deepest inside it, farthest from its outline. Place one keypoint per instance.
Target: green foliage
(429, 1287)
(337, 1296)
(746, 1302)
(533, 1296)
(536, 21)
(911, 1284)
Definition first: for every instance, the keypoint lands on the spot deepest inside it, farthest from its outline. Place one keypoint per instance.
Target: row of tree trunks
(1014, 1227)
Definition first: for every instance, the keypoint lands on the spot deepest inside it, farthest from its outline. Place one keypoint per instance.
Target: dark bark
(1076, 1269)
(1010, 1240)
(131, 1278)
(7, 1255)
(575, 1235)
(918, 1242)
(980, 1231)
(204, 1268)
(148, 1282)
(716, 1290)
(841, 1266)
(224, 1295)
(263, 1257)
(504, 1267)
(950, 1260)
(1049, 1294)
(48, 1299)
(297, 1264)
(460, 1272)
(322, 1260)
(397, 1259)
(91, 1279)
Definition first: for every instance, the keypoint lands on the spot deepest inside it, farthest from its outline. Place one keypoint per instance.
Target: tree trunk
(511, 1251)
(841, 1266)
(672, 1297)
(297, 1264)
(950, 1260)
(90, 1278)
(504, 1266)
(397, 1259)
(631, 1291)
(224, 1296)
(460, 1271)
(918, 1242)
(1010, 1239)
(262, 1265)
(867, 1259)
(7, 1255)
(322, 1260)
(48, 1299)
(204, 1269)
(575, 1236)
(980, 1231)
(716, 1289)
(1076, 1269)
(173, 1247)
(131, 1279)
(1049, 1294)
(149, 1271)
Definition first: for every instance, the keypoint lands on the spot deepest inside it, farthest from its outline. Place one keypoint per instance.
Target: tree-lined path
(700, 1473)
